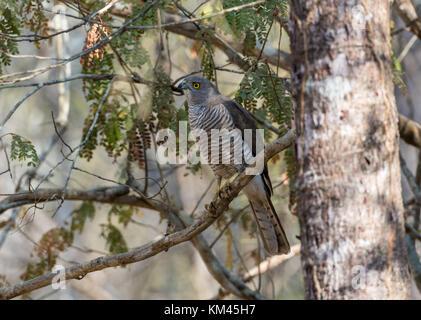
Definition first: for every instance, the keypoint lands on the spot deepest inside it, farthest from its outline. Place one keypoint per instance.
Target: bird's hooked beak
(182, 85)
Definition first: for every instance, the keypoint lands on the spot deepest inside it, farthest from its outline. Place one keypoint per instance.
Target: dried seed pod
(140, 139)
(92, 38)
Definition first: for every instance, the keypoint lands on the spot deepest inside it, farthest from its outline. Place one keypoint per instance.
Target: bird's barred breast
(232, 152)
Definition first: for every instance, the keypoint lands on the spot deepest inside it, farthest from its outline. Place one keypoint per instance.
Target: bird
(208, 110)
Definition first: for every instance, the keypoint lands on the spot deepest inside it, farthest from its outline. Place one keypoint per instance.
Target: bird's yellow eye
(196, 85)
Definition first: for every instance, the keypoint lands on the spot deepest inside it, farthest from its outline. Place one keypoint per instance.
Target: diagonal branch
(230, 48)
(226, 278)
(410, 131)
(414, 260)
(216, 208)
(178, 25)
(264, 266)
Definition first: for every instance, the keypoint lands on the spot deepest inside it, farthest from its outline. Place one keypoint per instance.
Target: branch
(37, 37)
(209, 16)
(115, 195)
(230, 48)
(60, 23)
(40, 85)
(215, 210)
(264, 266)
(408, 14)
(227, 279)
(8, 226)
(116, 77)
(412, 231)
(271, 263)
(102, 42)
(410, 131)
(177, 24)
(411, 180)
(414, 260)
(86, 139)
(29, 173)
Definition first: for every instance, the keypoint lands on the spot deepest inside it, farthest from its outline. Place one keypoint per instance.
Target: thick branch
(230, 48)
(115, 195)
(410, 131)
(408, 14)
(216, 208)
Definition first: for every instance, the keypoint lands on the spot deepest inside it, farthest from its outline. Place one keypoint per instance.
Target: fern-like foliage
(398, 74)
(163, 99)
(262, 85)
(124, 214)
(24, 150)
(9, 25)
(129, 43)
(113, 127)
(81, 215)
(114, 238)
(33, 16)
(253, 24)
(206, 53)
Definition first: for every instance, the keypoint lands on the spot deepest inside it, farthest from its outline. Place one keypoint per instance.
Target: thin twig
(88, 134)
(411, 180)
(3, 145)
(58, 133)
(201, 197)
(408, 47)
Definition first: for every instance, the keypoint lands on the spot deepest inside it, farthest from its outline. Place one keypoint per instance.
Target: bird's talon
(210, 207)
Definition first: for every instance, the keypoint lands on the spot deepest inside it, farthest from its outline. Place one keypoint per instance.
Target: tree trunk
(348, 186)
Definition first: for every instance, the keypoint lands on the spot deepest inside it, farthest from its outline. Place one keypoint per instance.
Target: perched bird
(208, 110)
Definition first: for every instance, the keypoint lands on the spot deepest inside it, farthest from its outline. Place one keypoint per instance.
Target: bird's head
(197, 89)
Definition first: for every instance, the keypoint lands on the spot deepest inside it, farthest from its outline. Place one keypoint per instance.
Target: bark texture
(348, 189)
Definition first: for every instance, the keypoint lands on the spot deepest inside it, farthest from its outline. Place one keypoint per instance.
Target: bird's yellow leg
(218, 182)
(224, 192)
(218, 193)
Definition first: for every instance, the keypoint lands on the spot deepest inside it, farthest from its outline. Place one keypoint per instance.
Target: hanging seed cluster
(140, 139)
(94, 35)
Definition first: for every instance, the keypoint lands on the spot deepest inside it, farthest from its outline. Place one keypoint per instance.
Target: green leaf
(114, 238)
(124, 213)
(23, 150)
(80, 216)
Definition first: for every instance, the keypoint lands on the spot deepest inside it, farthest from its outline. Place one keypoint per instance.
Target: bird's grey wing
(242, 119)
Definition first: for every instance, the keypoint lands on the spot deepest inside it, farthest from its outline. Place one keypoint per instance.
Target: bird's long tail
(269, 225)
